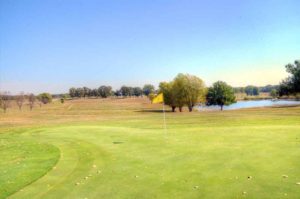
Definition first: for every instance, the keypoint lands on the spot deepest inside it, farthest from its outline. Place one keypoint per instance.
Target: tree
(220, 94)
(169, 95)
(148, 88)
(5, 99)
(45, 98)
(125, 90)
(239, 90)
(188, 90)
(137, 91)
(118, 93)
(40, 102)
(86, 91)
(72, 92)
(274, 93)
(20, 100)
(94, 92)
(268, 88)
(131, 91)
(79, 92)
(31, 100)
(179, 90)
(291, 85)
(242, 90)
(252, 90)
(105, 91)
(195, 91)
(151, 96)
(255, 91)
(285, 87)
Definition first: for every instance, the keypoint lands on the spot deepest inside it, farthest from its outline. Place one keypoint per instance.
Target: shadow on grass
(153, 111)
(118, 142)
(286, 106)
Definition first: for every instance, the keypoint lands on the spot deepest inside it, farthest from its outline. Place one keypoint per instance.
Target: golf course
(118, 148)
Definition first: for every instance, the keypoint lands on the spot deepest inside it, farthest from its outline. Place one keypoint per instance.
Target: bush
(45, 98)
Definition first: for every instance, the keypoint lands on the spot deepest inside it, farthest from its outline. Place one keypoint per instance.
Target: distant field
(117, 148)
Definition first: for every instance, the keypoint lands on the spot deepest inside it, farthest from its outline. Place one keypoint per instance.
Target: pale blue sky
(51, 45)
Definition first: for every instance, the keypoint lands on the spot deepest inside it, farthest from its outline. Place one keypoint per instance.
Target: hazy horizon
(50, 46)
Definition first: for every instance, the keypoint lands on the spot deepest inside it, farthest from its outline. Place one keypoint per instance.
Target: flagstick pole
(165, 126)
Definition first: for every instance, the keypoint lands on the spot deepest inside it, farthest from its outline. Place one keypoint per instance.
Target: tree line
(251, 90)
(107, 91)
(184, 90)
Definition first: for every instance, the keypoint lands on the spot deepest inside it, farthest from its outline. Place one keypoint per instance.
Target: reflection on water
(251, 104)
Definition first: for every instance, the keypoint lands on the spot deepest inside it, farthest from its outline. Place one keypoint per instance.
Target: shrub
(45, 98)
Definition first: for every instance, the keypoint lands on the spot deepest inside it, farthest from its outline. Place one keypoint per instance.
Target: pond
(252, 104)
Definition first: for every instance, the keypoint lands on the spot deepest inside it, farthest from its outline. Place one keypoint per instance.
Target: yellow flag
(158, 99)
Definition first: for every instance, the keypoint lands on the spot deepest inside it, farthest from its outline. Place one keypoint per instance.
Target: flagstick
(165, 125)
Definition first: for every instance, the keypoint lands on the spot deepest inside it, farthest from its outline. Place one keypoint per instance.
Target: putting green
(23, 161)
(132, 161)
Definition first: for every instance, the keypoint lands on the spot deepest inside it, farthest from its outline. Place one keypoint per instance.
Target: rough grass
(118, 149)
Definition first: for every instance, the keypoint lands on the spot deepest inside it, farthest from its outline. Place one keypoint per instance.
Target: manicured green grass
(119, 150)
(23, 161)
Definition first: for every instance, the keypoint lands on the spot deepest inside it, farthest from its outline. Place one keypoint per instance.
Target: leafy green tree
(45, 98)
(188, 90)
(291, 85)
(285, 87)
(274, 93)
(195, 91)
(169, 95)
(179, 85)
(220, 94)
(148, 88)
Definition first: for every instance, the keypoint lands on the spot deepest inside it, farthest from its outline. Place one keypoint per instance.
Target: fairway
(117, 148)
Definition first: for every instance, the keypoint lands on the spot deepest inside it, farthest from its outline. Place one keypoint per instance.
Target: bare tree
(39, 101)
(31, 99)
(20, 100)
(5, 99)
